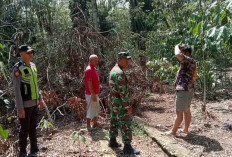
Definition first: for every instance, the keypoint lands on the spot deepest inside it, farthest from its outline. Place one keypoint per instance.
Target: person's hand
(94, 98)
(177, 49)
(21, 113)
(41, 104)
(129, 110)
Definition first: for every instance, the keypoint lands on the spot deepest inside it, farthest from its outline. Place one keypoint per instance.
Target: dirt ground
(60, 144)
(210, 134)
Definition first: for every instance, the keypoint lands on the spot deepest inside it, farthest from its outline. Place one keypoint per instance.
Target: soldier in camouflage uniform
(119, 104)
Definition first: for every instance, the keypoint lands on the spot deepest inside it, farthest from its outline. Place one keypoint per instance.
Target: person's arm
(195, 75)
(178, 53)
(18, 97)
(93, 95)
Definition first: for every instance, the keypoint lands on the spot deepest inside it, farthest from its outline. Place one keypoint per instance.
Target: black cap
(185, 48)
(25, 48)
(124, 55)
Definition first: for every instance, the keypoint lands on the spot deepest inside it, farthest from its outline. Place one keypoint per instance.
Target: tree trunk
(95, 15)
(204, 63)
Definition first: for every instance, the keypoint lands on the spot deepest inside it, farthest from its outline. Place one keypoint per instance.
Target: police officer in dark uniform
(28, 99)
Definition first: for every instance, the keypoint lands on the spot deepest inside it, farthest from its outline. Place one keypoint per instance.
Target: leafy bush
(6, 103)
(210, 79)
(164, 70)
(78, 134)
(3, 133)
(45, 124)
(3, 69)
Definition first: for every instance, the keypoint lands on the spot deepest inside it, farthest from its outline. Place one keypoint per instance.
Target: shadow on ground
(208, 143)
(140, 111)
(119, 153)
(98, 134)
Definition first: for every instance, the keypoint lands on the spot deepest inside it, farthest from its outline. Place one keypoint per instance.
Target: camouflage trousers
(120, 120)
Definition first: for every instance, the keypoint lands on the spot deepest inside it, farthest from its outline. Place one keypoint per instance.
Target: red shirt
(91, 75)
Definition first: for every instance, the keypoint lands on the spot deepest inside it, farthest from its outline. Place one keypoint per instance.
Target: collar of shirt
(119, 67)
(24, 64)
(92, 67)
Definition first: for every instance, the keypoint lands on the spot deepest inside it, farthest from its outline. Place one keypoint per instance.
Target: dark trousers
(28, 127)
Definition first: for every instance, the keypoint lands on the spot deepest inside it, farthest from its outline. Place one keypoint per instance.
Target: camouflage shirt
(186, 75)
(119, 93)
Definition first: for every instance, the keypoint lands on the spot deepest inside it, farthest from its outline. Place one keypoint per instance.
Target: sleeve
(16, 84)
(40, 94)
(177, 50)
(88, 75)
(185, 59)
(195, 74)
(121, 89)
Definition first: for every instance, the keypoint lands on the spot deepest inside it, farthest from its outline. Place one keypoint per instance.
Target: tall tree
(95, 15)
(79, 9)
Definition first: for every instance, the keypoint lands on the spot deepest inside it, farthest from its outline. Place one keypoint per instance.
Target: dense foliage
(64, 33)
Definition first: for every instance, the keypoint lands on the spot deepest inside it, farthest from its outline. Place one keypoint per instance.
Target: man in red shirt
(92, 86)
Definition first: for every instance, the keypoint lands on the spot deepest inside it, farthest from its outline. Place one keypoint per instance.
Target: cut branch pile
(51, 98)
(138, 84)
(77, 106)
(160, 87)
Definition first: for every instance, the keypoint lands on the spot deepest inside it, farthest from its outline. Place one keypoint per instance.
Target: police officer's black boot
(22, 147)
(22, 154)
(113, 143)
(129, 150)
(35, 149)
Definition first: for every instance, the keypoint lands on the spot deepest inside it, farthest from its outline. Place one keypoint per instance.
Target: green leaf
(49, 124)
(4, 70)
(213, 4)
(3, 133)
(1, 46)
(213, 30)
(216, 19)
(82, 138)
(228, 19)
(45, 124)
(217, 15)
(218, 45)
(223, 15)
(225, 20)
(82, 130)
(196, 29)
(229, 4)
(221, 29)
(226, 33)
(74, 136)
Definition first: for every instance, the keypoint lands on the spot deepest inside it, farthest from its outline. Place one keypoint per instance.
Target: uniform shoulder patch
(117, 70)
(16, 72)
(18, 64)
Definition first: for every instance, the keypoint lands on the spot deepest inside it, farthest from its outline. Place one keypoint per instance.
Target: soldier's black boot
(113, 143)
(129, 150)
